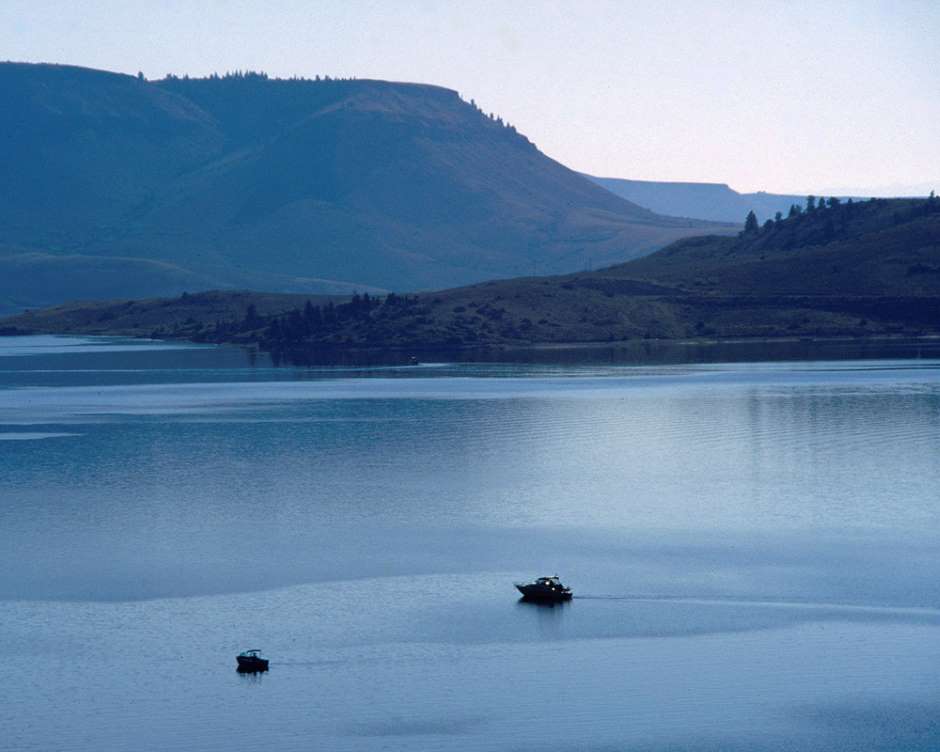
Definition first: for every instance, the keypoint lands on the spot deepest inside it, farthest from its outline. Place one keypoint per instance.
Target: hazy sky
(782, 96)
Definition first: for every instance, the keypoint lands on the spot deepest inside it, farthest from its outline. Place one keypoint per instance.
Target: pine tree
(750, 224)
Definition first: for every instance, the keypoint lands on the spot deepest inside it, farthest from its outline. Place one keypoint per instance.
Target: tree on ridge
(750, 224)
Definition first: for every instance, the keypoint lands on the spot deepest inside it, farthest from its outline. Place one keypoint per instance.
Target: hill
(711, 201)
(856, 269)
(293, 185)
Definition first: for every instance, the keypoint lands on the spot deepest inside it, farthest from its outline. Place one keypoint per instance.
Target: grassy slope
(30, 278)
(179, 316)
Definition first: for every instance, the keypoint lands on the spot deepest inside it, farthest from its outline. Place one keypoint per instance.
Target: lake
(753, 547)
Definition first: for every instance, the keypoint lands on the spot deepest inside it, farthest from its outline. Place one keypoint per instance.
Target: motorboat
(545, 590)
(251, 661)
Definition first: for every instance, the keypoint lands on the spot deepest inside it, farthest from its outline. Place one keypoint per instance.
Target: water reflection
(549, 617)
(646, 352)
(543, 605)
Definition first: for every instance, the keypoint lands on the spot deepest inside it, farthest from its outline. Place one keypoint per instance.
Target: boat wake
(766, 603)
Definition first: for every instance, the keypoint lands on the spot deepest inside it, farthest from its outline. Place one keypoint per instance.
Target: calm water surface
(754, 547)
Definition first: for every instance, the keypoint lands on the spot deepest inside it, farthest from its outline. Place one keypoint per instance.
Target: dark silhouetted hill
(293, 185)
(859, 269)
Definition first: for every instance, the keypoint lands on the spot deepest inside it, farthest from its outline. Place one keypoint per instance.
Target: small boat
(413, 361)
(545, 590)
(251, 661)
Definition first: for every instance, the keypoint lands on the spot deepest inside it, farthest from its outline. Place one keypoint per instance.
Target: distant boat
(251, 661)
(413, 361)
(545, 590)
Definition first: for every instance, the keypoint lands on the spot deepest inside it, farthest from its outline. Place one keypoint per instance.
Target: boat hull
(543, 595)
(250, 665)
